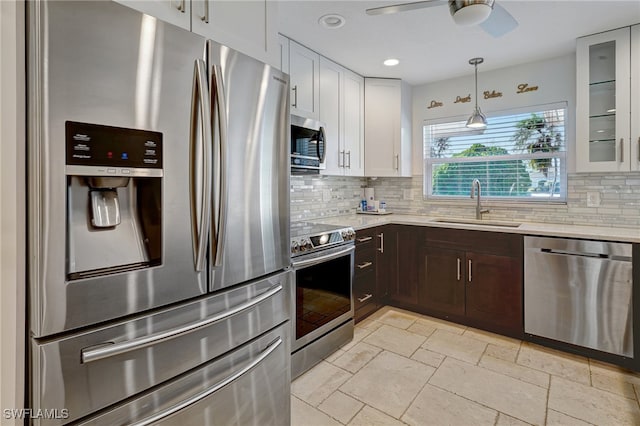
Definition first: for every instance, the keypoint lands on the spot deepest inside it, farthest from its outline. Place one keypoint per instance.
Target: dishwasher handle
(602, 256)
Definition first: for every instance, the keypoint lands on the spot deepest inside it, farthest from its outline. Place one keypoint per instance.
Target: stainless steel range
(323, 263)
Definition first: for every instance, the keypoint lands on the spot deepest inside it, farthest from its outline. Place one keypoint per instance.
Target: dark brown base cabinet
(469, 277)
(474, 278)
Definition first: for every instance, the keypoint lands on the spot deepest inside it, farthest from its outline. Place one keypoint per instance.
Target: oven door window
(323, 293)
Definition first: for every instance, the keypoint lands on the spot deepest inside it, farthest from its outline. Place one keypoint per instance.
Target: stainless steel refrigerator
(159, 288)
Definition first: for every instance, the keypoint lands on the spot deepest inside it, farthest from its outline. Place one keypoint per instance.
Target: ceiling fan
(492, 18)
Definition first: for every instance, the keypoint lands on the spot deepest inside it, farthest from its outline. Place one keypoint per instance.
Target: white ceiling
(431, 47)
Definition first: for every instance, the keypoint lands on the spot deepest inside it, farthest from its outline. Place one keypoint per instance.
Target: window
(522, 157)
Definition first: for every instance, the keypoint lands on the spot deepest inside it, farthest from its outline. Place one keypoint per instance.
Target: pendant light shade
(477, 119)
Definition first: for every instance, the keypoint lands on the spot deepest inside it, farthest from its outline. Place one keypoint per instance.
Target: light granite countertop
(363, 221)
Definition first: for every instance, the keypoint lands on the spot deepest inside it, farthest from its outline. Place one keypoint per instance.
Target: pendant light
(477, 119)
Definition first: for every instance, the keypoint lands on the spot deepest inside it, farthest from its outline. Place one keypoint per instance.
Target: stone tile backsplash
(314, 197)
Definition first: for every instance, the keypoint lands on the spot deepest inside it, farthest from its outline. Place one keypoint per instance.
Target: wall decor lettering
(460, 100)
(524, 88)
(492, 94)
(435, 104)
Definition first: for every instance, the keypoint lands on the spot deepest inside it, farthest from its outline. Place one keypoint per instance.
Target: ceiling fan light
(477, 120)
(467, 13)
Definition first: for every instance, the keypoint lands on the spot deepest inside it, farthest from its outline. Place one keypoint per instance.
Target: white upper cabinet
(387, 128)
(304, 71)
(247, 26)
(353, 134)
(606, 81)
(635, 98)
(283, 51)
(341, 110)
(176, 12)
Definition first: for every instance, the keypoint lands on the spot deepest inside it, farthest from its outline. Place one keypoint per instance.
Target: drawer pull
(363, 239)
(366, 297)
(364, 265)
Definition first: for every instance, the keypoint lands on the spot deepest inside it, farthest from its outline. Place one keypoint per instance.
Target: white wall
(555, 79)
(12, 207)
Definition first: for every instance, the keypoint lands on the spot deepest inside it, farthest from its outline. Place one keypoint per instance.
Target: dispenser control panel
(115, 149)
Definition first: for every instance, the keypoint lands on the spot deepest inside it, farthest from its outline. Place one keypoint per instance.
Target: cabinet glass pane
(602, 62)
(602, 134)
(604, 150)
(602, 98)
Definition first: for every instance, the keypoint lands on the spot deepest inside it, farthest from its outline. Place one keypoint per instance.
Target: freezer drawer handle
(202, 395)
(97, 353)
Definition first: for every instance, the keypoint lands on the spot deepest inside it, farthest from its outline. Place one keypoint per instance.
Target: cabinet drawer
(365, 261)
(480, 241)
(364, 289)
(366, 238)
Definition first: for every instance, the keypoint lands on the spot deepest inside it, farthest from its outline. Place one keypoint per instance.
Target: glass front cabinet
(607, 101)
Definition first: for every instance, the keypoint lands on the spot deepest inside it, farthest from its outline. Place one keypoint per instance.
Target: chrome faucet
(479, 210)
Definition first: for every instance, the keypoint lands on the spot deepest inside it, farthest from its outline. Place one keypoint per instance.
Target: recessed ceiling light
(332, 21)
(391, 62)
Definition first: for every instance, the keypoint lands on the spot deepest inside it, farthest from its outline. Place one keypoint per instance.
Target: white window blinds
(519, 156)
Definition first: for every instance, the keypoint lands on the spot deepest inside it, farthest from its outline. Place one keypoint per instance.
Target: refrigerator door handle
(108, 349)
(220, 185)
(202, 395)
(200, 111)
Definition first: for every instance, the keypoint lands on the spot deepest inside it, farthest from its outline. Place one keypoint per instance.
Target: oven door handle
(316, 260)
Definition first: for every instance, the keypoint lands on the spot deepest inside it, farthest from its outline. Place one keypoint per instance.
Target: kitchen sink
(479, 222)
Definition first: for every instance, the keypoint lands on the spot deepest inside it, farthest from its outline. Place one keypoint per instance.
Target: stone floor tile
(398, 319)
(554, 362)
(504, 420)
(369, 416)
(435, 406)
(369, 324)
(388, 383)
(492, 338)
(603, 368)
(517, 371)
(511, 396)
(317, 384)
(555, 418)
(341, 407)
(304, 414)
(613, 384)
(454, 345)
(441, 324)
(395, 340)
(421, 329)
(358, 334)
(333, 356)
(592, 405)
(357, 357)
(431, 358)
(502, 352)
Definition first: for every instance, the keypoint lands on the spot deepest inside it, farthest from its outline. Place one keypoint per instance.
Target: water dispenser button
(111, 171)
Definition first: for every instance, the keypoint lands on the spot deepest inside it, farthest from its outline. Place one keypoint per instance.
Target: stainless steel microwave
(308, 145)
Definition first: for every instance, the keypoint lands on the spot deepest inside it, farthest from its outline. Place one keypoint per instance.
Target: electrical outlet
(593, 198)
(326, 195)
(407, 194)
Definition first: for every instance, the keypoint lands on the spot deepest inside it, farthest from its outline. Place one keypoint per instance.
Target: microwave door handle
(200, 112)
(220, 159)
(322, 152)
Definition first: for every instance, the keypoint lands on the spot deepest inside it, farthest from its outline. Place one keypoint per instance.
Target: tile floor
(405, 368)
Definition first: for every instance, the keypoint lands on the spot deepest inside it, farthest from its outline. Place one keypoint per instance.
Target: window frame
(427, 161)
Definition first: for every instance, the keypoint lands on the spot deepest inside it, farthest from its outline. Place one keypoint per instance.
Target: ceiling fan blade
(499, 22)
(384, 10)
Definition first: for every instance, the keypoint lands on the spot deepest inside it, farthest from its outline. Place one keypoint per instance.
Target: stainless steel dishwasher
(579, 292)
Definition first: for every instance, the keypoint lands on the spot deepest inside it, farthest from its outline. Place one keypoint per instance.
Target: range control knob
(351, 234)
(294, 247)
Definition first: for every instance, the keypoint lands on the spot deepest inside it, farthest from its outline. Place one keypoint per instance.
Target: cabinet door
(385, 260)
(331, 77)
(494, 291)
(246, 26)
(382, 126)
(353, 123)
(603, 102)
(635, 98)
(304, 70)
(176, 12)
(283, 49)
(442, 280)
(404, 287)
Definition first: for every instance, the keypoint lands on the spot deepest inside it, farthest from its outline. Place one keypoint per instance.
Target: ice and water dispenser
(114, 199)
